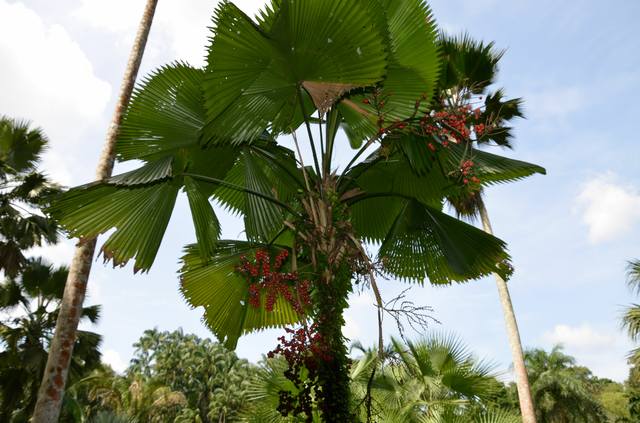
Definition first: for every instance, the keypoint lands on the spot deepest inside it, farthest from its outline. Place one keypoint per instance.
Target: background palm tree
(51, 391)
(631, 323)
(470, 70)
(213, 132)
(23, 192)
(563, 392)
(435, 379)
(631, 318)
(30, 303)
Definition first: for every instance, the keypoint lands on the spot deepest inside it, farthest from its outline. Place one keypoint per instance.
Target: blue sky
(570, 233)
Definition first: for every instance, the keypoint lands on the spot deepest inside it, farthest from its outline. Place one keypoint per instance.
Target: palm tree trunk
(51, 391)
(522, 379)
(333, 374)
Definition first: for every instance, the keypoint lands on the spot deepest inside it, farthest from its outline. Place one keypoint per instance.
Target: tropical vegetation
(31, 288)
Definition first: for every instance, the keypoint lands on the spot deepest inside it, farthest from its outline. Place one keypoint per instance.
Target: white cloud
(58, 254)
(113, 359)
(602, 351)
(609, 208)
(46, 78)
(183, 25)
(582, 337)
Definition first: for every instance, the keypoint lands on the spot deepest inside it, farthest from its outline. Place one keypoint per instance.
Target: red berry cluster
(454, 125)
(263, 276)
(305, 350)
(467, 172)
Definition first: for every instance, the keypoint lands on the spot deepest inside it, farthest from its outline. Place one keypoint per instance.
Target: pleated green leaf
(140, 216)
(151, 172)
(262, 217)
(215, 285)
(425, 243)
(254, 74)
(386, 187)
(270, 170)
(165, 114)
(412, 71)
(204, 218)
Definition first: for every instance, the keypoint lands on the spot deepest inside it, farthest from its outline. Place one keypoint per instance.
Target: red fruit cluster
(453, 125)
(479, 129)
(467, 173)
(265, 277)
(303, 350)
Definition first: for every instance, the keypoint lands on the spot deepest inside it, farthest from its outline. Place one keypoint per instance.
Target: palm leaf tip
(139, 214)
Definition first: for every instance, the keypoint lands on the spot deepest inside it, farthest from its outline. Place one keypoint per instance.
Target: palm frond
(633, 275)
(216, 285)
(254, 74)
(425, 243)
(139, 214)
(166, 113)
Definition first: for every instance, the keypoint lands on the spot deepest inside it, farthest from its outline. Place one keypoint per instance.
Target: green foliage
(433, 380)
(561, 390)
(23, 191)
(29, 304)
(631, 318)
(211, 378)
(173, 377)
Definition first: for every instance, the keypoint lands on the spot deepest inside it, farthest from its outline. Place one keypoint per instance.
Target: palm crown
(369, 68)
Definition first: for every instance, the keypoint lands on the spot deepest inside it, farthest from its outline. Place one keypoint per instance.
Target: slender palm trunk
(51, 392)
(522, 379)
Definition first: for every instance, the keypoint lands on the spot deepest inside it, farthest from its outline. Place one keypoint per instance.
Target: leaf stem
(243, 189)
(308, 126)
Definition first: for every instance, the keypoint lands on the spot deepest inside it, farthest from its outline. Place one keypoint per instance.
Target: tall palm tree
(368, 68)
(471, 68)
(54, 377)
(23, 192)
(31, 303)
(562, 391)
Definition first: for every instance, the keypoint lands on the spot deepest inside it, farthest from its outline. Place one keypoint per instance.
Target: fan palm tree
(369, 68)
(51, 391)
(434, 380)
(31, 304)
(562, 391)
(23, 192)
(470, 69)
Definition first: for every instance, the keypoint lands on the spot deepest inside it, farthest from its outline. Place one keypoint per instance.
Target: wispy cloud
(579, 337)
(603, 351)
(555, 104)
